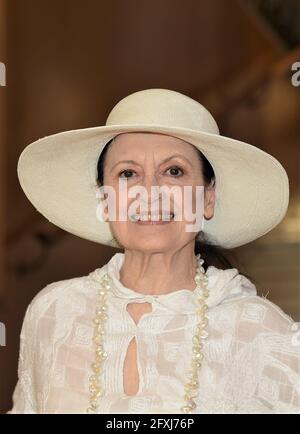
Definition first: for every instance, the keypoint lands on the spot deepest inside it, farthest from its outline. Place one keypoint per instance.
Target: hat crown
(162, 107)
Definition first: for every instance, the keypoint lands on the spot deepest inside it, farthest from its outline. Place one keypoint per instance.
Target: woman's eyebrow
(176, 156)
(162, 162)
(126, 161)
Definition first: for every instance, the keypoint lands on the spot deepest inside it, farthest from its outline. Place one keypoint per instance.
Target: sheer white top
(251, 356)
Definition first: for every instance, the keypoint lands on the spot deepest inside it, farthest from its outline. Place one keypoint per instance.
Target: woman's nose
(151, 181)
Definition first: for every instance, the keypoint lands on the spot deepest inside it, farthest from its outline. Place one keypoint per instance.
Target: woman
(157, 329)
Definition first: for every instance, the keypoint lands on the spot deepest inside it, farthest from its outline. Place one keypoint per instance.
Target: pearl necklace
(192, 386)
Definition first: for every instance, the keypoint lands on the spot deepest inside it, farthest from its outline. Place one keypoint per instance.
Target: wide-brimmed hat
(58, 172)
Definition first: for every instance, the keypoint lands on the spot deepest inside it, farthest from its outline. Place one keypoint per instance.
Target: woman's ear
(102, 211)
(105, 211)
(209, 201)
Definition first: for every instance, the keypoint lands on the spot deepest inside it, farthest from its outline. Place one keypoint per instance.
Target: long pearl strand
(192, 386)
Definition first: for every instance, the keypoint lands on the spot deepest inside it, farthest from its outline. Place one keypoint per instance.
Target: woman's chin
(150, 244)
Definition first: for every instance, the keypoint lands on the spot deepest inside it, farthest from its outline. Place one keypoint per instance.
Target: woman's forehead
(141, 144)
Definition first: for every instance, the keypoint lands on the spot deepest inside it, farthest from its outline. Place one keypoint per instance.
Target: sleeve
(281, 374)
(270, 340)
(24, 400)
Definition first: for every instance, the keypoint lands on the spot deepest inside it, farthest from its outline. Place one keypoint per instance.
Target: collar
(222, 285)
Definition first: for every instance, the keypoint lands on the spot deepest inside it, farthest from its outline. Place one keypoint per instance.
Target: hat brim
(58, 175)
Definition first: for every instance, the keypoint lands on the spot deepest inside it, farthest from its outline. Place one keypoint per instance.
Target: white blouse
(251, 356)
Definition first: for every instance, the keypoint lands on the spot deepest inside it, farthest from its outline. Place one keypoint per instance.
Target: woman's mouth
(152, 219)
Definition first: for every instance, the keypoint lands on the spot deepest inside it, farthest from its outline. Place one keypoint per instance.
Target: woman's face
(144, 160)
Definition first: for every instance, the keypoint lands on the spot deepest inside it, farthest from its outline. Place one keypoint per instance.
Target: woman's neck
(159, 273)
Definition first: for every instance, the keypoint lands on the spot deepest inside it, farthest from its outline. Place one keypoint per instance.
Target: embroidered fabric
(251, 356)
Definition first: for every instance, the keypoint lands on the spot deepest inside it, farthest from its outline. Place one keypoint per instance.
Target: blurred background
(68, 62)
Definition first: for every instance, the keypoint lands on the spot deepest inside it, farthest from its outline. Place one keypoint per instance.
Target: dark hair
(211, 253)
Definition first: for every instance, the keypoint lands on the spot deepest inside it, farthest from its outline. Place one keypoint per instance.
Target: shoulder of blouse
(59, 291)
(258, 309)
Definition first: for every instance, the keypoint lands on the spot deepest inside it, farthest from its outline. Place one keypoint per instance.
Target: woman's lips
(153, 220)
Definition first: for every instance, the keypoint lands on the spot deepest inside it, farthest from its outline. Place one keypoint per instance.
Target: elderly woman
(159, 328)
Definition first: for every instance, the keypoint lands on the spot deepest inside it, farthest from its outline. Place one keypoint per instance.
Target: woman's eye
(175, 171)
(126, 173)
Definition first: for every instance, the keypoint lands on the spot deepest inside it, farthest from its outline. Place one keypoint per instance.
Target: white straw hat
(58, 173)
